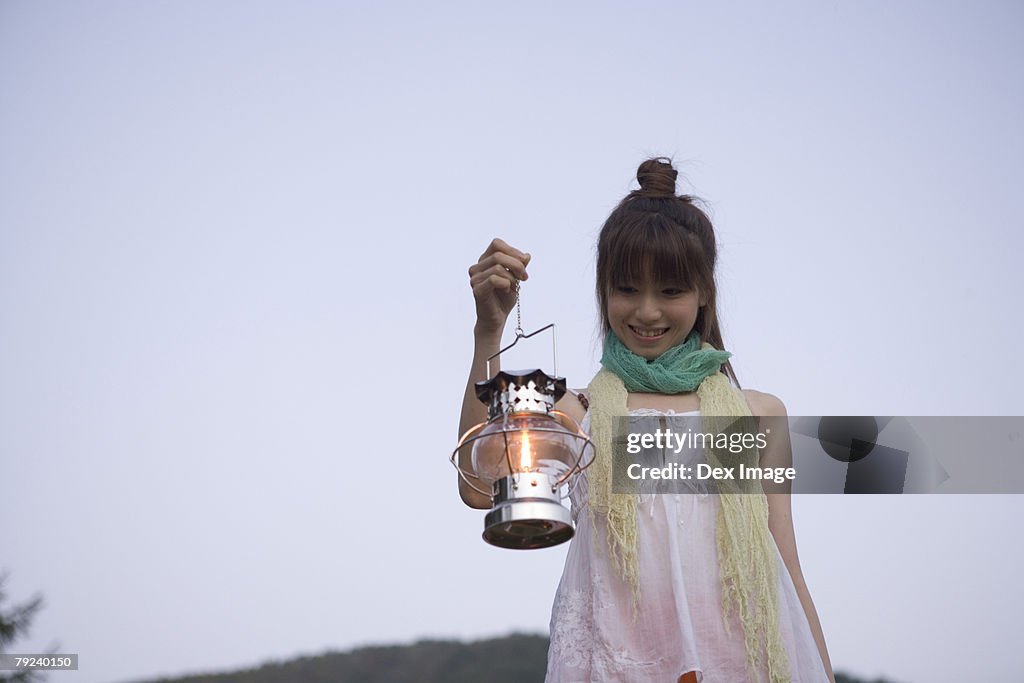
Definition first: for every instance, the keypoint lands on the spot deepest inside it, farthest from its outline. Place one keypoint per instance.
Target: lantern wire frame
(574, 430)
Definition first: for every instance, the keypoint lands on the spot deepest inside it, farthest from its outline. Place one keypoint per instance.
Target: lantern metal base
(527, 513)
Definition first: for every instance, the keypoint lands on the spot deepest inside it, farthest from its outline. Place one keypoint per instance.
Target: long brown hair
(653, 231)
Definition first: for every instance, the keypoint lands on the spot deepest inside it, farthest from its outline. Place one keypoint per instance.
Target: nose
(648, 311)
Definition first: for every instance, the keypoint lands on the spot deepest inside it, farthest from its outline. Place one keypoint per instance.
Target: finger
(510, 263)
(494, 283)
(496, 270)
(500, 246)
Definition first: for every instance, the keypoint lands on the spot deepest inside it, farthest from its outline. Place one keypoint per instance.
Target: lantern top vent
(516, 391)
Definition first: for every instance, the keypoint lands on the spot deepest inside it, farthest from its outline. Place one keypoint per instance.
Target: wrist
(487, 336)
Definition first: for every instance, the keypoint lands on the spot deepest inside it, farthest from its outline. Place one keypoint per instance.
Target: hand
(494, 279)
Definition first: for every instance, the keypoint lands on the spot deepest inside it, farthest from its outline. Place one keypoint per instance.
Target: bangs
(653, 250)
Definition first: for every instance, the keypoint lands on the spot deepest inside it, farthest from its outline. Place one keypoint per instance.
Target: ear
(703, 299)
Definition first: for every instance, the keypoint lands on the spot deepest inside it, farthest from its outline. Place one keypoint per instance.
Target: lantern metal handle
(521, 335)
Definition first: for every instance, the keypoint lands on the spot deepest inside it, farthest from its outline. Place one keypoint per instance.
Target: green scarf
(746, 552)
(680, 369)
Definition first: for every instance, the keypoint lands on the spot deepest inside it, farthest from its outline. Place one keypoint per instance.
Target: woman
(666, 587)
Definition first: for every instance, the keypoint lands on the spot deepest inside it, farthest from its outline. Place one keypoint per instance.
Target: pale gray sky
(235, 321)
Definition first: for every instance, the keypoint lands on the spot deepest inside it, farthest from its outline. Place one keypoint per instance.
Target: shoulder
(574, 404)
(763, 403)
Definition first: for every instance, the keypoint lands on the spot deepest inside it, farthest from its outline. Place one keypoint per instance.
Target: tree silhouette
(15, 623)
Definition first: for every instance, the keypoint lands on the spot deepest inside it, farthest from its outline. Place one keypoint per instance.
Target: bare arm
(779, 453)
(474, 411)
(493, 279)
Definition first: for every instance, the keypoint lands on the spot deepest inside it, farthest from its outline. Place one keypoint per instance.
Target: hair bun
(657, 178)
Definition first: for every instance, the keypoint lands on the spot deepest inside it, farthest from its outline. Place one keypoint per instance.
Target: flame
(525, 452)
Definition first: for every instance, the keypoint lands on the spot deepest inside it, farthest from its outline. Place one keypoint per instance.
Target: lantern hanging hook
(522, 335)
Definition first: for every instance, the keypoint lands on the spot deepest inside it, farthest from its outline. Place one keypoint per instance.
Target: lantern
(524, 456)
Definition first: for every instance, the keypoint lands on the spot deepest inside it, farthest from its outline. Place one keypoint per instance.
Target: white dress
(679, 623)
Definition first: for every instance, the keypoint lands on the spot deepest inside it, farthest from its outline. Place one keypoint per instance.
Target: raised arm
(493, 279)
(779, 453)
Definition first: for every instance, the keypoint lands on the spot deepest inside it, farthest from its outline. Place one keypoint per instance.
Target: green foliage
(513, 659)
(846, 678)
(15, 623)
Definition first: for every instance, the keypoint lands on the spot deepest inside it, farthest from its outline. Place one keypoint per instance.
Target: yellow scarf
(746, 550)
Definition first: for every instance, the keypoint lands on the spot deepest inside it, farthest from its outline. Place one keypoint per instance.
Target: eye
(673, 291)
(625, 289)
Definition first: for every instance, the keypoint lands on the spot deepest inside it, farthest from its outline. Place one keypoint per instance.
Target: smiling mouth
(649, 333)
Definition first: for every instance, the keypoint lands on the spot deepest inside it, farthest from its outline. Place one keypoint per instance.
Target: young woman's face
(650, 318)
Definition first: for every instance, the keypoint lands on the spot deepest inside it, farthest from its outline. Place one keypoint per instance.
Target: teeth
(650, 333)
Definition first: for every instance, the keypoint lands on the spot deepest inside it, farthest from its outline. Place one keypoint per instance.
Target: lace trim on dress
(573, 641)
(666, 413)
(572, 635)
